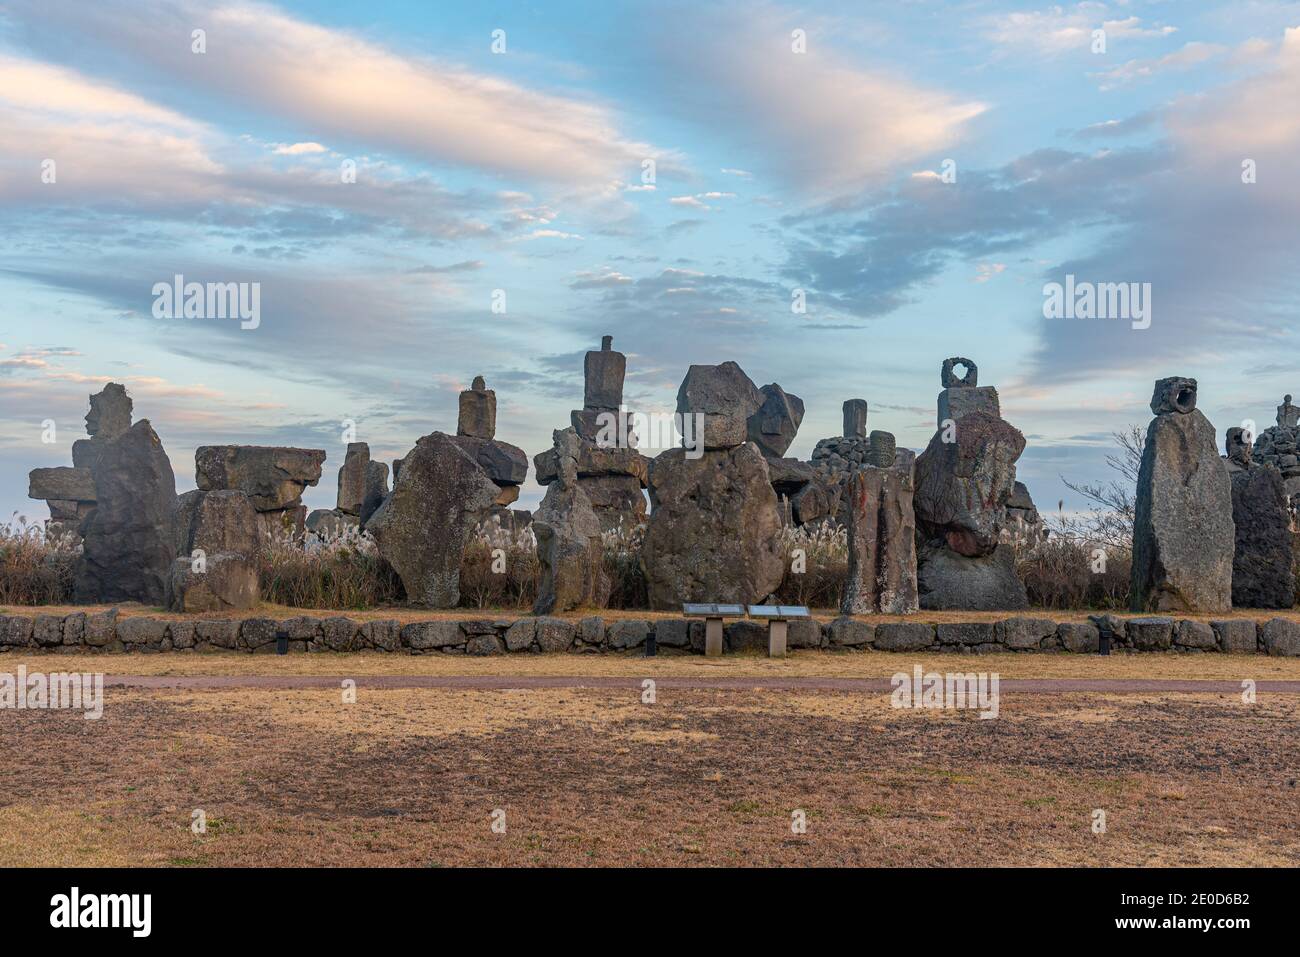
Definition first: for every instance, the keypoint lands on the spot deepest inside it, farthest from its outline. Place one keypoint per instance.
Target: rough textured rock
(1280, 637)
(352, 479)
(963, 487)
(1236, 635)
(423, 527)
(130, 538)
(1080, 637)
(1195, 634)
(903, 636)
(603, 374)
(1151, 633)
(1025, 634)
(504, 463)
(776, 423)
(627, 633)
(331, 523)
(272, 477)
(726, 397)
(568, 534)
(109, 417)
(376, 489)
(846, 632)
(881, 542)
(478, 411)
(1279, 445)
(1183, 537)
(1263, 551)
(61, 483)
(713, 529)
(948, 580)
(217, 546)
(855, 418)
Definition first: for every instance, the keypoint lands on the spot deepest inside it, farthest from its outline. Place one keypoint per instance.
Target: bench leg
(713, 637)
(776, 631)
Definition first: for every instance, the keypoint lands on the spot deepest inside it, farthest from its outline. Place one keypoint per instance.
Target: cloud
(1059, 30)
(821, 123)
(341, 87)
(1190, 55)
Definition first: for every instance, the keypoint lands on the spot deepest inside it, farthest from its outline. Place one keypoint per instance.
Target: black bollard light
(281, 642)
(1103, 643)
(651, 646)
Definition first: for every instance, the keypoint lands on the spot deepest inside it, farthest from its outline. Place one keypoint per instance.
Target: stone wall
(110, 632)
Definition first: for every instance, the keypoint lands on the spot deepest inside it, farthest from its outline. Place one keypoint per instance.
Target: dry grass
(699, 778)
(809, 664)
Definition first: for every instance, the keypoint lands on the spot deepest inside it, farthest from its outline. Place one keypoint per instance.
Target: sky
(674, 176)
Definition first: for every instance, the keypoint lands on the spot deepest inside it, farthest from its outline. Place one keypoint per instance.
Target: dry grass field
(702, 776)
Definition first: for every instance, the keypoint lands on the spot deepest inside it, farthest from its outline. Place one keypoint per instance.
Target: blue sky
(522, 171)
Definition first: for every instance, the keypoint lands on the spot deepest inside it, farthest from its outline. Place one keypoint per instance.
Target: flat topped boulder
(61, 483)
(506, 464)
(273, 477)
(595, 462)
(726, 397)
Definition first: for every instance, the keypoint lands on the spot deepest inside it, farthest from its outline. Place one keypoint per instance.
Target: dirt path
(510, 683)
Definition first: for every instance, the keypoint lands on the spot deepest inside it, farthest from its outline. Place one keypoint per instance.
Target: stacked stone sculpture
(70, 492)
(273, 478)
(1183, 534)
(964, 480)
(611, 471)
(568, 538)
(835, 460)
(1279, 445)
(1263, 573)
(713, 527)
(476, 429)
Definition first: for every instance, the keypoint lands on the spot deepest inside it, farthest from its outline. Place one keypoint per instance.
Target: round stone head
(110, 412)
(1237, 447)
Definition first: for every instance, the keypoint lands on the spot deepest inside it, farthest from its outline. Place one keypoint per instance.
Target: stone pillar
(1183, 530)
(855, 418)
(882, 542)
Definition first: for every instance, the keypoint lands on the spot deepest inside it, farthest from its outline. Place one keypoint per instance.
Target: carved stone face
(110, 412)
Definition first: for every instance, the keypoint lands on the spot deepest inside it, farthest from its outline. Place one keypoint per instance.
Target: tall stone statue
(1263, 551)
(1183, 530)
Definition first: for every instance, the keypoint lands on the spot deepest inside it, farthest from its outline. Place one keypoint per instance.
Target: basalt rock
(568, 538)
(352, 479)
(272, 477)
(422, 529)
(1278, 446)
(776, 423)
(130, 537)
(1263, 554)
(882, 542)
(712, 534)
(1183, 535)
(726, 397)
(478, 411)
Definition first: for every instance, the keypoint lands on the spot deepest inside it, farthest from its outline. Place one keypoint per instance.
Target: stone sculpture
(882, 540)
(1263, 545)
(568, 536)
(1183, 534)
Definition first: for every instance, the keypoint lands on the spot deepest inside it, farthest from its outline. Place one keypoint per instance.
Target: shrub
(506, 579)
(36, 569)
(327, 571)
(825, 558)
(1060, 573)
